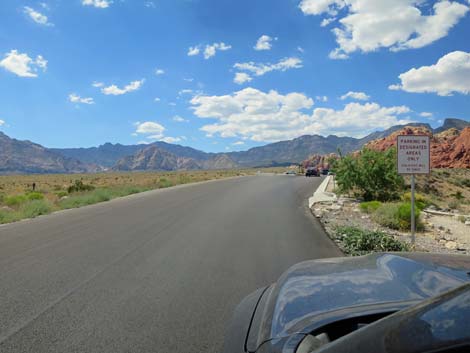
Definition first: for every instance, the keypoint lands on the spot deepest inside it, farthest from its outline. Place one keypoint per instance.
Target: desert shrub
(458, 195)
(454, 205)
(8, 216)
(387, 215)
(357, 242)
(128, 190)
(35, 208)
(96, 196)
(370, 174)
(79, 186)
(164, 183)
(420, 200)
(370, 206)
(61, 193)
(35, 196)
(15, 200)
(397, 216)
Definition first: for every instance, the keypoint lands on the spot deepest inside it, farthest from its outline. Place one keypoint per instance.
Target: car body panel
(314, 293)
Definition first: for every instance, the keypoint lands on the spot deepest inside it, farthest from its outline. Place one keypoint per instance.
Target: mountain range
(27, 157)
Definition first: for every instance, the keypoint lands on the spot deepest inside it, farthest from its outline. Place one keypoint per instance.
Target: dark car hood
(310, 292)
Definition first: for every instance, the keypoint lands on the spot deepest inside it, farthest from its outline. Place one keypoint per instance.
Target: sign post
(413, 157)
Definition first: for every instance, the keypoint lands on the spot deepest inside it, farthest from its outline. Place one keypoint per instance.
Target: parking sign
(413, 154)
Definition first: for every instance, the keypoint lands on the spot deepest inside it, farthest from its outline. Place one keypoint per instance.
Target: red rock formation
(449, 149)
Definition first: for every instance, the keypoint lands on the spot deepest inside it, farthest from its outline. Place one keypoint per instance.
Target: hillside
(27, 157)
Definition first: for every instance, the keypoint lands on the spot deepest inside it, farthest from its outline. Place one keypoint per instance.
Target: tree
(370, 174)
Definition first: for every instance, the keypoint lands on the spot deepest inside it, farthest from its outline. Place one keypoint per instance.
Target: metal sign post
(413, 157)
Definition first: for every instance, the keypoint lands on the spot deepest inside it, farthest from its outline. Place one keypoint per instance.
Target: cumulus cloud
(193, 51)
(242, 77)
(238, 143)
(179, 119)
(169, 139)
(159, 72)
(366, 25)
(151, 128)
(116, 91)
(102, 4)
(97, 84)
(264, 43)
(36, 16)
(451, 74)
(426, 115)
(22, 65)
(75, 98)
(361, 96)
(260, 116)
(2, 122)
(260, 69)
(212, 49)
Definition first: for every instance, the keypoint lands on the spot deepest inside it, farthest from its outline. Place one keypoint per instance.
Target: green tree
(370, 174)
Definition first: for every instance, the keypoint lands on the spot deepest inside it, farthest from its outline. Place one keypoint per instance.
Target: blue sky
(222, 75)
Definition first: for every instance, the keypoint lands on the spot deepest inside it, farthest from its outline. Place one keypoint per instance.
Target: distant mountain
(452, 124)
(154, 157)
(28, 157)
(109, 154)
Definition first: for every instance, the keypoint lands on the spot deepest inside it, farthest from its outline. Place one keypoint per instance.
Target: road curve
(155, 272)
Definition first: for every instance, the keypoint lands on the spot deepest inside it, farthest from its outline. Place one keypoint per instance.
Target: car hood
(313, 292)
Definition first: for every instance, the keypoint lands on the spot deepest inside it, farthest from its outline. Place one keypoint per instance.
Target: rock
(334, 208)
(443, 242)
(451, 245)
(64, 198)
(467, 223)
(365, 217)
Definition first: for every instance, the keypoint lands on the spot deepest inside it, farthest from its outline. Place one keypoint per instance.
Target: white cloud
(300, 49)
(159, 72)
(169, 139)
(97, 84)
(238, 143)
(368, 25)
(188, 79)
(2, 122)
(179, 119)
(323, 99)
(150, 4)
(22, 65)
(212, 49)
(260, 69)
(157, 99)
(361, 96)
(173, 104)
(327, 21)
(74, 98)
(264, 43)
(116, 91)
(185, 91)
(102, 4)
(155, 130)
(242, 77)
(259, 116)
(36, 16)
(450, 74)
(193, 51)
(426, 115)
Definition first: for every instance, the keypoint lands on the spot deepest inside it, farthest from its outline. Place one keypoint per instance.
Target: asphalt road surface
(155, 272)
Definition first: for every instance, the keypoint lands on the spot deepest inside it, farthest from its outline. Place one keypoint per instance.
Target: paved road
(155, 272)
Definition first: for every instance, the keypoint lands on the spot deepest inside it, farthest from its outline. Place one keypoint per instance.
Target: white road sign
(413, 154)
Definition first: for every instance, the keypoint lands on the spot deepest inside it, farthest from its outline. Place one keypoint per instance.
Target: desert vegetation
(29, 196)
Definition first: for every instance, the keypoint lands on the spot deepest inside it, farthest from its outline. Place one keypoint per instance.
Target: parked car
(311, 172)
(380, 303)
(291, 172)
(325, 171)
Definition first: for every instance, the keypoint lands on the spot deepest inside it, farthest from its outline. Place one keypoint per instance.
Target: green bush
(164, 183)
(370, 206)
(357, 242)
(96, 196)
(8, 216)
(370, 174)
(15, 200)
(420, 200)
(79, 186)
(35, 196)
(397, 216)
(61, 194)
(35, 208)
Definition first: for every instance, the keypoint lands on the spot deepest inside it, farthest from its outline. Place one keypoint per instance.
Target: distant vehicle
(311, 173)
(379, 303)
(291, 172)
(325, 171)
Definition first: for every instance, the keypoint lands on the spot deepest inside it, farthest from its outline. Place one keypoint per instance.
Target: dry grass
(447, 188)
(17, 202)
